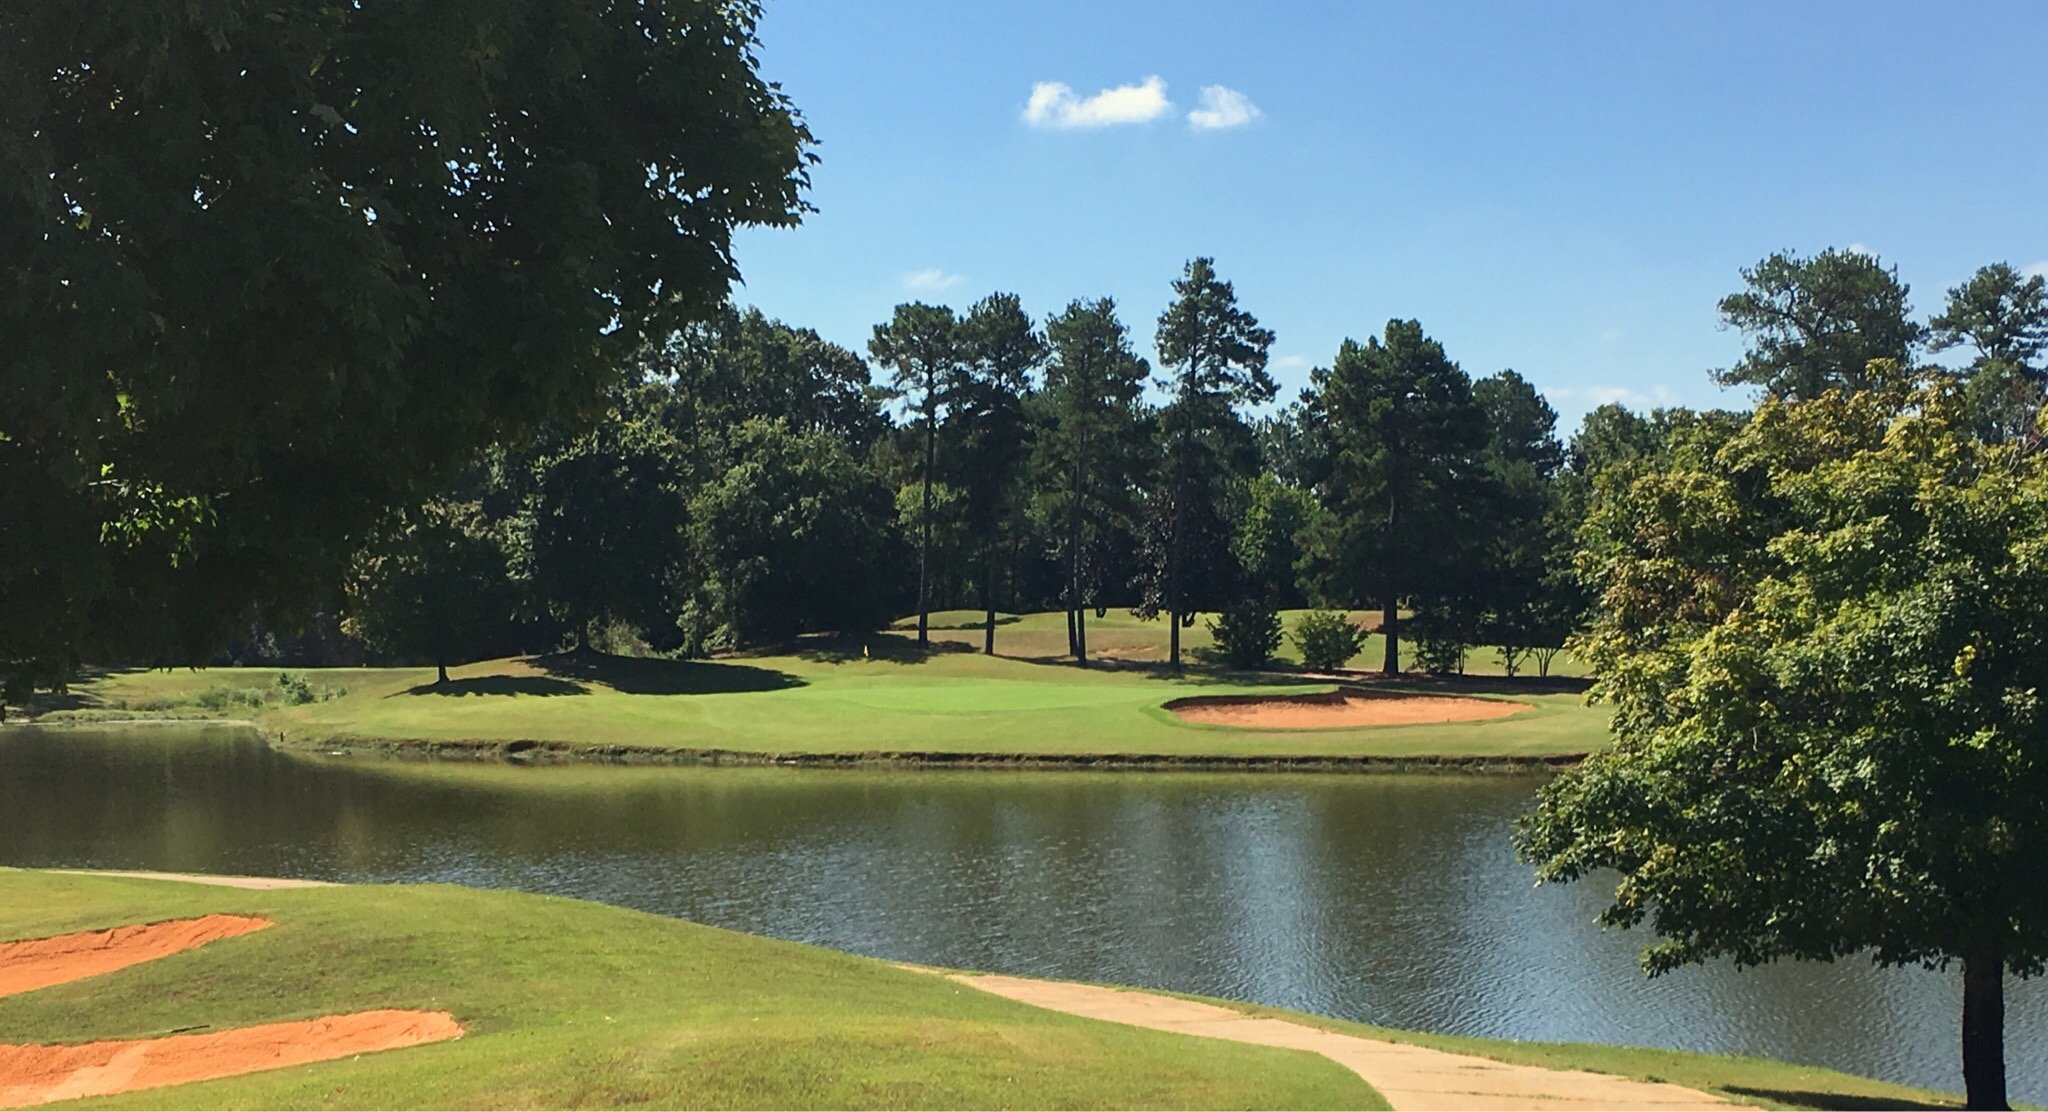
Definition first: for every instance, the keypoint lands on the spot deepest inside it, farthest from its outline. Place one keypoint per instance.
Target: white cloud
(2038, 270)
(1223, 107)
(1054, 105)
(931, 280)
(1289, 363)
(1860, 249)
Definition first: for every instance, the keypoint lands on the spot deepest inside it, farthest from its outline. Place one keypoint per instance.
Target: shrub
(1327, 639)
(1247, 634)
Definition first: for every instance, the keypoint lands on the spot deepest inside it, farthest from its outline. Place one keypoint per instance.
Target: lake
(1388, 899)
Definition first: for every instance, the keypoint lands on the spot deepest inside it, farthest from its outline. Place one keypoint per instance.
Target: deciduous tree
(1822, 635)
(274, 270)
(789, 539)
(433, 586)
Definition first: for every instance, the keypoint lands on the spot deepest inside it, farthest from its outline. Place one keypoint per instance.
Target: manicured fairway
(837, 703)
(566, 1003)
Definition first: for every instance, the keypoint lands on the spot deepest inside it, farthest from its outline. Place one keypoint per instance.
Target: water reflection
(1389, 899)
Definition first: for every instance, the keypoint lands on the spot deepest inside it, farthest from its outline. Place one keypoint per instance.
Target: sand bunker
(1350, 707)
(42, 962)
(36, 1074)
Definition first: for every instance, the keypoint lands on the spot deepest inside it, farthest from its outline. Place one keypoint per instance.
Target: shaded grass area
(1119, 635)
(877, 695)
(573, 1004)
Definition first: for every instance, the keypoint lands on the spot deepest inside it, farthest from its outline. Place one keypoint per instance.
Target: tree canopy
(1405, 437)
(1816, 323)
(1822, 633)
(1216, 355)
(275, 270)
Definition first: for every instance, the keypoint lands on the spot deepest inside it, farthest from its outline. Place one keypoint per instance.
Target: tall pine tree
(1216, 353)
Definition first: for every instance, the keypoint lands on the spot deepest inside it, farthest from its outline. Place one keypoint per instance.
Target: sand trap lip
(1349, 707)
(42, 962)
(38, 1074)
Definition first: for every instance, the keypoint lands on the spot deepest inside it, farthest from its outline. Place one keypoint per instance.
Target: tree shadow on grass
(893, 647)
(499, 685)
(1485, 685)
(1847, 1102)
(1203, 674)
(634, 675)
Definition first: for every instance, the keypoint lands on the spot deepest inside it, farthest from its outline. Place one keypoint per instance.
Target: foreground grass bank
(824, 704)
(568, 1003)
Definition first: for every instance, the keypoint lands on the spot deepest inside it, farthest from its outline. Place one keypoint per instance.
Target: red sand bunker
(42, 962)
(36, 1074)
(1350, 707)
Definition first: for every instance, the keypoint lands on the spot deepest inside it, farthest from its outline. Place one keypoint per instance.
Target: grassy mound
(571, 1004)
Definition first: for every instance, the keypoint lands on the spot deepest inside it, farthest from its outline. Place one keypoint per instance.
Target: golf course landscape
(563, 1003)
(744, 554)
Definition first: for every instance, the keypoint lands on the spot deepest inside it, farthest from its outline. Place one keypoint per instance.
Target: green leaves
(295, 265)
(1822, 635)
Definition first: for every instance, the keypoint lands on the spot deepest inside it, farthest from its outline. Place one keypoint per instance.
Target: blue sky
(1565, 189)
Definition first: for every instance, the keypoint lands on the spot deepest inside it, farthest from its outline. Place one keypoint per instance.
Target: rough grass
(871, 697)
(573, 1004)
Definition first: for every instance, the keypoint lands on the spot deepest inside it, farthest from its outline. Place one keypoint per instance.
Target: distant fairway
(836, 701)
(1118, 635)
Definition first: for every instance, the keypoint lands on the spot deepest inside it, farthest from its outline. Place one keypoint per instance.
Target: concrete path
(1410, 1077)
(258, 883)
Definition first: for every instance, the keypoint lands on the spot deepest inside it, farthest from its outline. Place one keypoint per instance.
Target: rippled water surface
(1394, 900)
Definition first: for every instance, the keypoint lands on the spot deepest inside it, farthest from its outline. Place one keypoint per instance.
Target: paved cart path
(1410, 1077)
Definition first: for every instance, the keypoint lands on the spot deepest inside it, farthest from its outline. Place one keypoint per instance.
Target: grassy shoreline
(573, 1003)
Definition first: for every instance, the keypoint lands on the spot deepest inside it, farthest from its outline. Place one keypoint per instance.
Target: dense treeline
(750, 482)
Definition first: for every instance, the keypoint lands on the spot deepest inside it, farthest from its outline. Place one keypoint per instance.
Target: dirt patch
(42, 962)
(36, 1074)
(1350, 707)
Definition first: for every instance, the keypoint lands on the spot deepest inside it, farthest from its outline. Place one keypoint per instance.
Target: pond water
(1389, 899)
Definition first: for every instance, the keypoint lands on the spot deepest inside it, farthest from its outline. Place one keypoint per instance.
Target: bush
(1327, 639)
(1440, 656)
(1247, 634)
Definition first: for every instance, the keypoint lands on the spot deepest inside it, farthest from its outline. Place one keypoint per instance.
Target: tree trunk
(988, 602)
(1390, 611)
(924, 531)
(1173, 589)
(1984, 1031)
(440, 672)
(1077, 642)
